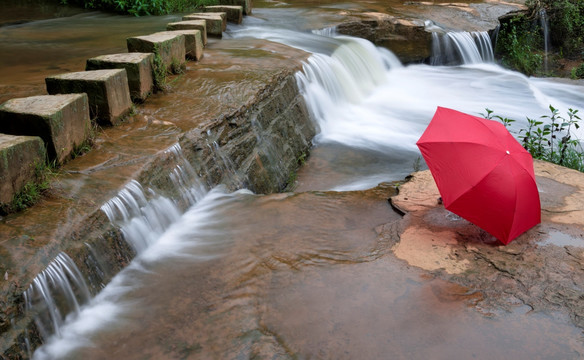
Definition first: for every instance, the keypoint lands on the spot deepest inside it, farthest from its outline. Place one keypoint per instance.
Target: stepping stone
(20, 157)
(245, 4)
(190, 25)
(193, 43)
(170, 47)
(234, 12)
(107, 91)
(62, 121)
(216, 22)
(138, 68)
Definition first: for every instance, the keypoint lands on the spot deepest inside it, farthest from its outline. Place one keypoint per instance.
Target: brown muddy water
(298, 276)
(309, 274)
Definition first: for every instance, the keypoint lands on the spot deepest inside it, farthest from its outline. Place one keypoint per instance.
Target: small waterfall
(56, 292)
(455, 48)
(141, 218)
(349, 74)
(185, 179)
(544, 22)
(328, 31)
(60, 290)
(226, 165)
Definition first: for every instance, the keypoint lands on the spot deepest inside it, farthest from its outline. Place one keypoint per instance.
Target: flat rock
(62, 121)
(107, 91)
(138, 68)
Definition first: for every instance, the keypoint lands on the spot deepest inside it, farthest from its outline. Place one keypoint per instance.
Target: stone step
(190, 25)
(170, 47)
(107, 92)
(138, 69)
(245, 4)
(234, 12)
(216, 22)
(193, 42)
(20, 157)
(62, 121)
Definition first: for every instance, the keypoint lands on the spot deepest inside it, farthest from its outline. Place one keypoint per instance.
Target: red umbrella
(483, 174)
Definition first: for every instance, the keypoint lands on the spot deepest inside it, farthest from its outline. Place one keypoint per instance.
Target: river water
(306, 274)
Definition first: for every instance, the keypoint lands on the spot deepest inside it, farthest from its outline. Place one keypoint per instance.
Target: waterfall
(544, 22)
(142, 216)
(455, 48)
(56, 292)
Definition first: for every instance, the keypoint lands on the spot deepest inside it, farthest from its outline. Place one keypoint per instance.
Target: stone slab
(170, 47)
(193, 43)
(107, 91)
(234, 12)
(19, 158)
(216, 24)
(62, 121)
(138, 68)
(190, 25)
(245, 4)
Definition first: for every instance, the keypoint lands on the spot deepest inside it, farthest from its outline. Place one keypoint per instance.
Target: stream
(307, 274)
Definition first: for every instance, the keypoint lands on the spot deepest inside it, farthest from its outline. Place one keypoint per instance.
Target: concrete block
(216, 22)
(62, 121)
(138, 68)
(169, 46)
(107, 91)
(245, 4)
(234, 12)
(193, 43)
(190, 25)
(19, 157)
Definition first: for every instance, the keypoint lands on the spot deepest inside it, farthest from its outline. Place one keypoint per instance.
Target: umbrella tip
(508, 153)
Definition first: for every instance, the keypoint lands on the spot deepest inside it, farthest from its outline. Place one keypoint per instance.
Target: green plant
(33, 190)
(517, 43)
(142, 7)
(551, 138)
(489, 115)
(578, 72)
(159, 71)
(566, 19)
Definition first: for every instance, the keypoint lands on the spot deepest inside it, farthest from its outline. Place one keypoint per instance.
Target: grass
(33, 190)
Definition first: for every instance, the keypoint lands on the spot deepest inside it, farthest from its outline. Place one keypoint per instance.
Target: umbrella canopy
(483, 174)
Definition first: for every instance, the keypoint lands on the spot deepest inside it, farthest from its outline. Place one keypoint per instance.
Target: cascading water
(55, 294)
(141, 219)
(370, 110)
(544, 23)
(453, 48)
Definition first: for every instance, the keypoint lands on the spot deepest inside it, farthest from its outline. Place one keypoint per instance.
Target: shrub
(578, 72)
(517, 43)
(142, 7)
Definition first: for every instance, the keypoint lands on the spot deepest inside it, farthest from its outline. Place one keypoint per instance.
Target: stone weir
(236, 116)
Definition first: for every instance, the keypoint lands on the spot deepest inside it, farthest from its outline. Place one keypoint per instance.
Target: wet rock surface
(541, 271)
(199, 111)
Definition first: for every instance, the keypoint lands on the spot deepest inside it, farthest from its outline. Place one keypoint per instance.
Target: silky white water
(370, 110)
(364, 101)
